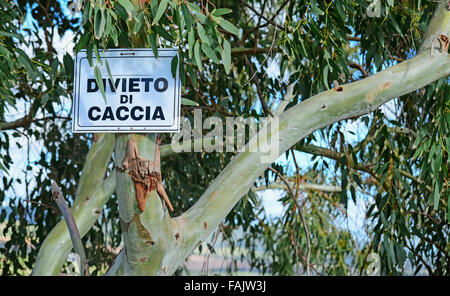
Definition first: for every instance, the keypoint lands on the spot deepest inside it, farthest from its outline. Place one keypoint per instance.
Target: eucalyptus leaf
(226, 56)
(207, 50)
(188, 102)
(226, 25)
(99, 80)
(161, 9)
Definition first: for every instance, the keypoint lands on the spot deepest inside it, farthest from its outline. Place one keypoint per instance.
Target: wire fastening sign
(142, 96)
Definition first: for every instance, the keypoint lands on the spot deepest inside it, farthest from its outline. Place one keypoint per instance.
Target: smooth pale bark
(93, 192)
(439, 25)
(148, 236)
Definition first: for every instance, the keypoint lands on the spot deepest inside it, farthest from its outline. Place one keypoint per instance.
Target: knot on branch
(146, 177)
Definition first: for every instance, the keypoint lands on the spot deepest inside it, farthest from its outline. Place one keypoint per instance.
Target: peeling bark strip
(145, 175)
(142, 231)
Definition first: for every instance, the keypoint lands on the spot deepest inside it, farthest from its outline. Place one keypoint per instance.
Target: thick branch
(72, 226)
(93, 192)
(439, 25)
(21, 122)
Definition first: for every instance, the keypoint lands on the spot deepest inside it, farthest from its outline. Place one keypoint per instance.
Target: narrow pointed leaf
(161, 9)
(226, 56)
(226, 25)
(98, 78)
(207, 50)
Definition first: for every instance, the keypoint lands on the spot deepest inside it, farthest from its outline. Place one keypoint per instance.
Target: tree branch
(302, 218)
(360, 68)
(72, 226)
(329, 153)
(93, 192)
(302, 187)
(262, 16)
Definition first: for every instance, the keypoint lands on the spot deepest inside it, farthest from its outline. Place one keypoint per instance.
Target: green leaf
(138, 23)
(192, 74)
(197, 12)
(187, 17)
(221, 11)
(68, 65)
(163, 33)
(174, 65)
(182, 75)
(108, 25)
(113, 14)
(188, 102)
(8, 34)
(89, 54)
(153, 7)
(152, 41)
(395, 25)
(114, 36)
(201, 17)
(44, 99)
(353, 193)
(448, 208)
(3, 168)
(121, 11)
(97, 55)
(325, 75)
(315, 9)
(202, 34)
(227, 26)
(436, 195)
(209, 52)
(129, 7)
(55, 66)
(26, 62)
(99, 23)
(161, 9)
(86, 13)
(191, 41)
(109, 73)
(197, 54)
(98, 78)
(226, 56)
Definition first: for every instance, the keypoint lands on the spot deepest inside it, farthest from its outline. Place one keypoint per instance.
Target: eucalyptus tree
(311, 68)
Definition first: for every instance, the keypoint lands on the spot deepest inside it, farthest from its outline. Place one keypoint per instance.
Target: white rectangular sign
(141, 97)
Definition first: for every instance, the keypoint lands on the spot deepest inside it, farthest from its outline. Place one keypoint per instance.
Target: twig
(262, 16)
(361, 270)
(360, 68)
(297, 182)
(72, 226)
(305, 227)
(40, 204)
(259, 24)
(353, 38)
